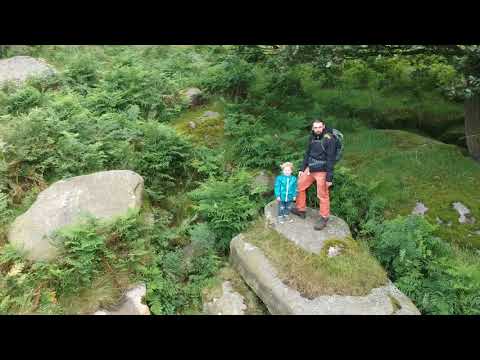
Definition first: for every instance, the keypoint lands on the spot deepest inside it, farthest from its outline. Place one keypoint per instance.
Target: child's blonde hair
(287, 164)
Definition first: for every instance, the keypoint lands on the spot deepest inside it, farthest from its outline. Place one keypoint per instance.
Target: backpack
(338, 145)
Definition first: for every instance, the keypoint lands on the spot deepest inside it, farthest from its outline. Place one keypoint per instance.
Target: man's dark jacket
(321, 158)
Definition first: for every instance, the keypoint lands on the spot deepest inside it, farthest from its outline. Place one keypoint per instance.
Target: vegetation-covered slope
(120, 107)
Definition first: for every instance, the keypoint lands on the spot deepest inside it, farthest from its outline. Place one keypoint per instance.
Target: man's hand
(278, 199)
(306, 172)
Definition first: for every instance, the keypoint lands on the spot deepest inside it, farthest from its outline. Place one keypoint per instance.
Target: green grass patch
(408, 167)
(354, 272)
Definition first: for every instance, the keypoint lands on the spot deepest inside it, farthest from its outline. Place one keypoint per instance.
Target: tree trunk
(472, 125)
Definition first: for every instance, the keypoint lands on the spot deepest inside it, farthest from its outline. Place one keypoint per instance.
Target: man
(317, 166)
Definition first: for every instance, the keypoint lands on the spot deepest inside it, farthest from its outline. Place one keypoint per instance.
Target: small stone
(420, 209)
(192, 125)
(464, 212)
(334, 251)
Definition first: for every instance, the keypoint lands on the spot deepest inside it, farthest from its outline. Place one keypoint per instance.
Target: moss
(353, 272)
(408, 168)
(209, 132)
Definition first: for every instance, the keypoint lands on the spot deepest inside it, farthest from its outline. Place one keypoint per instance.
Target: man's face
(318, 127)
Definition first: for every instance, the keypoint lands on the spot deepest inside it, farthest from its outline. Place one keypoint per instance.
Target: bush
(162, 157)
(424, 267)
(228, 205)
(232, 77)
(24, 99)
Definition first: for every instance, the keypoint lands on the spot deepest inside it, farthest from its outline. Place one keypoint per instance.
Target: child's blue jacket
(286, 187)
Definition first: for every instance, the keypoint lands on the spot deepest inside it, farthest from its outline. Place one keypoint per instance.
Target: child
(285, 191)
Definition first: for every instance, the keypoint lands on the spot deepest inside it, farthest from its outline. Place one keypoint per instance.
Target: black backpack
(338, 144)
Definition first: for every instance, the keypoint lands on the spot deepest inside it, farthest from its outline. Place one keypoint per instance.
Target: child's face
(287, 171)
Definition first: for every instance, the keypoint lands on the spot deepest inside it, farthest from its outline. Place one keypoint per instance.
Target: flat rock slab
(301, 231)
(104, 195)
(20, 68)
(131, 303)
(261, 276)
(230, 303)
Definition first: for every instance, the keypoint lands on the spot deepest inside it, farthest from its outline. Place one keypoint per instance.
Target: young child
(285, 191)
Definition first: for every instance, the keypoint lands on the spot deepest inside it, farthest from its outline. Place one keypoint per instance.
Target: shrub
(231, 77)
(227, 205)
(424, 267)
(24, 99)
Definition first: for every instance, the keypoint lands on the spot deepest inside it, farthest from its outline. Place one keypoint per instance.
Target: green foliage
(230, 77)
(228, 205)
(423, 266)
(86, 252)
(23, 100)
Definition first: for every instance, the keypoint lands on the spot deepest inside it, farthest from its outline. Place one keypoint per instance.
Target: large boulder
(193, 96)
(20, 68)
(281, 299)
(130, 304)
(104, 195)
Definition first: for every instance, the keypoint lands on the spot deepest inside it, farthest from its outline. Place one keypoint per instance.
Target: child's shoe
(281, 220)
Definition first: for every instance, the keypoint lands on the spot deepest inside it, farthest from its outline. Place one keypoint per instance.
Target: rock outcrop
(104, 195)
(193, 96)
(229, 303)
(262, 277)
(130, 304)
(19, 68)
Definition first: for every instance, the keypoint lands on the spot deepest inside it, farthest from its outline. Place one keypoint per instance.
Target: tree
(465, 58)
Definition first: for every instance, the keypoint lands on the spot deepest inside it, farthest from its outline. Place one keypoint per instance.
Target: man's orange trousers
(304, 182)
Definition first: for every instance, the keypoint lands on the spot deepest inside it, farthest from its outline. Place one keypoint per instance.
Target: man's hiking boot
(321, 223)
(298, 212)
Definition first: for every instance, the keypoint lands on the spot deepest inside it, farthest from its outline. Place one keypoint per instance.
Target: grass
(354, 272)
(408, 167)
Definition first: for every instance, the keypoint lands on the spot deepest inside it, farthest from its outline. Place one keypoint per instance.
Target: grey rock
(210, 115)
(192, 125)
(130, 304)
(301, 231)
(193, 96)
(230, 302)
(280, 299)
(19, 68)
(334, 251)
(465, 215)
(207, 115)
(420, 209)
(104, 195)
